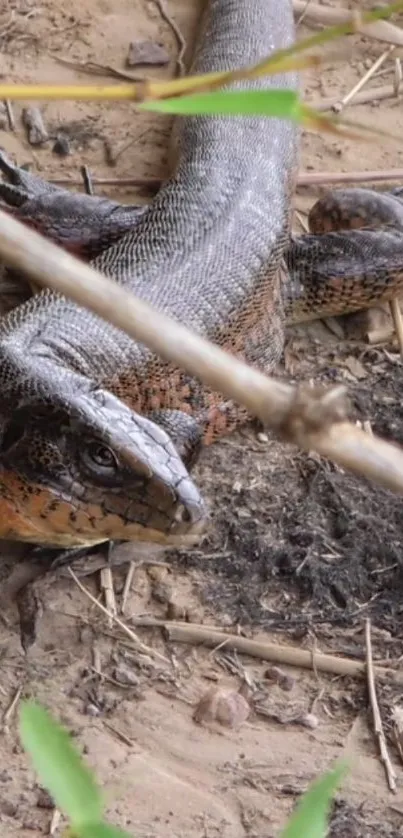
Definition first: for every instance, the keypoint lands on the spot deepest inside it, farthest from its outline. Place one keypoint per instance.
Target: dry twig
(151, 184)
(378, 726)
(9, 712)
(92, 68)
(398, 322)
(338, 107)
(367, 427)
(55, 821)
(178, 34)
(133, 636)
(96, 660)
(303, 179)
(381, 335)
(10, 115)
(213, 637)
(87, 180)
(374, 175)
(373, 94)
(312, 418)
(119, 734)
(109, 593)
(380, 30)
(127, 586)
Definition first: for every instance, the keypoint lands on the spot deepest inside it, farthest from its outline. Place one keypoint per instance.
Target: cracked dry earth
(299, 552)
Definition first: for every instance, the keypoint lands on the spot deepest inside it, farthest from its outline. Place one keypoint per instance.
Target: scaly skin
(80, 461)
(208, 252)
(353, 258)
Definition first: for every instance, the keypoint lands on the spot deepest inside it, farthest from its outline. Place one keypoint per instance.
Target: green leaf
(59, 765)
(311, 815)
(284, 104)
(101, 830)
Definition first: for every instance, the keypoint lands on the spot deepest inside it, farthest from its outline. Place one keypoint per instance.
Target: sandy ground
(299, 552)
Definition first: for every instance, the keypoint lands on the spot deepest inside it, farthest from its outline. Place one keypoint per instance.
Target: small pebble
(33, 826)
(157, 573)
(92, 710)
(227, 707)
(61, 146)
(308, 720)
(86, 635)
(125, 676)
(8, 808)
(147, 52)
(274, 673)
(33, 121)
(44, 800)
(161, 592)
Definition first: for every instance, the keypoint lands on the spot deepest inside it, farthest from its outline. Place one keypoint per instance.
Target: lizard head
(84, 468)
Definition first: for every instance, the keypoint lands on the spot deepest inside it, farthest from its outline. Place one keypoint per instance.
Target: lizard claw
(19, 185)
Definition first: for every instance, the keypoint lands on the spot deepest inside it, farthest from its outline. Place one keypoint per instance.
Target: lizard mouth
(143, 535)
(42, 519)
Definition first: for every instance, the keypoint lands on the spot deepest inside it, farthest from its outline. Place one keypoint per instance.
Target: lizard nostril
(183, 515)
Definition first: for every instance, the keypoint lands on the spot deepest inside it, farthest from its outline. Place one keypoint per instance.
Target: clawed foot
(20, 185)
(85, 225)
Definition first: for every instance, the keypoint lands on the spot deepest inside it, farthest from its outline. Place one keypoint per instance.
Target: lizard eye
(99, 457)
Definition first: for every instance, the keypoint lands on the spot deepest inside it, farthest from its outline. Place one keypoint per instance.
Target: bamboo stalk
(213, 637)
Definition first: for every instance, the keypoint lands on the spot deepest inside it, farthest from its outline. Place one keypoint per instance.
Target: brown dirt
(298, 551)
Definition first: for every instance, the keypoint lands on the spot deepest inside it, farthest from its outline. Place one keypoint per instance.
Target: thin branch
(351, 95)
(109, 593)
(10, 711)
(94, 69)
(398, 322)
(127, 586)
(55, 821)
(373, 175)
(87, 180)
(312, 418)
(378, 726)
(150, 183)
(10, 115)
(303, 179)
(372, 94)
(178, 34)
(212, 637)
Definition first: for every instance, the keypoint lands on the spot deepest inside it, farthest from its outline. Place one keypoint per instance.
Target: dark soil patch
(350, 822)
(297, 541)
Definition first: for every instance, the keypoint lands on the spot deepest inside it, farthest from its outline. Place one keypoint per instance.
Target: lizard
(213, 250)
(98, 436)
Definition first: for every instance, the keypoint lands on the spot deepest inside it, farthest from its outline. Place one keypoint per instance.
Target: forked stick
(313, 420)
